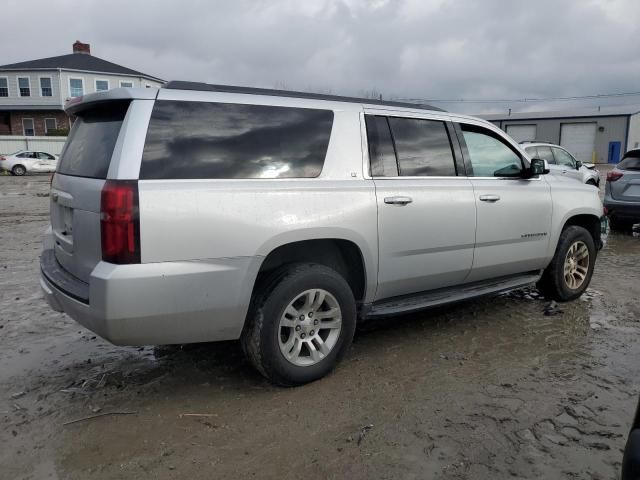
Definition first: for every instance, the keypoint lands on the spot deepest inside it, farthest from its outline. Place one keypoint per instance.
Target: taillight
(120, 222)
(2, 158)
(614, 175)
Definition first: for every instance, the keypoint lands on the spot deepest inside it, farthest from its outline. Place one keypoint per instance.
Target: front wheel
(301, 323)
(570, 270)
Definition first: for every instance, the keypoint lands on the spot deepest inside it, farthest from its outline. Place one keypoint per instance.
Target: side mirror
(537, 167)
(578, 164)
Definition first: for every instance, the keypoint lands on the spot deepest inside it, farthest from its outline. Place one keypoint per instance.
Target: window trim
(55, 121)
(33, 124)
(28, 81)
(126, 81)
(69, 84)
(40, 85)
(498, 135)
(95, 84)
(8, 89)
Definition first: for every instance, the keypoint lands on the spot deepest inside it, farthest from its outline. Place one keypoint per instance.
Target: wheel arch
(588, 221)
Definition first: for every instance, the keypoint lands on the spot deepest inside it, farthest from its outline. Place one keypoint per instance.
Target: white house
(33, 93)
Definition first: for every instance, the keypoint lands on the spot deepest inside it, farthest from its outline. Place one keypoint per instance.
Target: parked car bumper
(622, 210)
(156, 303)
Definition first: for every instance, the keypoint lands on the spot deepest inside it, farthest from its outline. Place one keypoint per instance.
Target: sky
(413, 49)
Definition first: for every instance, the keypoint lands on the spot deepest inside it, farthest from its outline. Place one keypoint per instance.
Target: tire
(592, 182)
(18, 170)
(619, 225)
(554, 284)
(271, 329)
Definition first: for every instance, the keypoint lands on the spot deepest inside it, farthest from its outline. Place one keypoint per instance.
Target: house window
(50, 124)
(27, 127)
(126, 84)
(45, 87)
(102, 85)
(76, 87)
(4, 87)
(24, 86)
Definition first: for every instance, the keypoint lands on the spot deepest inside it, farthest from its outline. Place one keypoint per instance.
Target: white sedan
(28, 161)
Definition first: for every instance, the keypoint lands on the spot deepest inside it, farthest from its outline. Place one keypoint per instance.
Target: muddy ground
(494, 388)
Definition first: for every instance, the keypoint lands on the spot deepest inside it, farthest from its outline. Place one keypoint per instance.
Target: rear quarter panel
(182, 220)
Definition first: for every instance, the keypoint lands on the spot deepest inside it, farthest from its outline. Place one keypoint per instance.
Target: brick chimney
(80, 47)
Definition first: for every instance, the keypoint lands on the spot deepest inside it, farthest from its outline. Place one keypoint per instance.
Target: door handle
(564, 171)
(397, 200)
(489, 198)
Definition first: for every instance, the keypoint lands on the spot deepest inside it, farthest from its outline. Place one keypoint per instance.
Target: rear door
(426, 212)
(77, 186)
(513, 214)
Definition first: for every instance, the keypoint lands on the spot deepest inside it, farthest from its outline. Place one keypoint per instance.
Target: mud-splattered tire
(18, 170)
(300, 324)
(570, 271)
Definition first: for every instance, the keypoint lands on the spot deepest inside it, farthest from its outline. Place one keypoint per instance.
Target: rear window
(91, 141)
(194, 140)
(629, 163)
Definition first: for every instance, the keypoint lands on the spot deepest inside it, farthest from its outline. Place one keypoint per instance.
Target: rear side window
(423, 147)
(381, 152)
(194, 140)
(91, 141)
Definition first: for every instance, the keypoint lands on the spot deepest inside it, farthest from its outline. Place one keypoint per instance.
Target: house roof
(76, 61)
(582, 112)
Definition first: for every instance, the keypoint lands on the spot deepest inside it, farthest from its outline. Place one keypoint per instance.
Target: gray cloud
(413, 49)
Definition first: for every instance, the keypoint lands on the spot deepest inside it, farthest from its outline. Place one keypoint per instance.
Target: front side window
(27, 127)
(423, 147)
(45, 87)
(45, 156)
(382, 156)
(563, 158)
(4, 87)
(76, 87)
(102, 85)
(545, 153)
(24, 87)
(126, 84)
(190, 140)
(488, 155)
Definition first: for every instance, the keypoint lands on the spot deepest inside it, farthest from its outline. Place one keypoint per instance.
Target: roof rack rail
(536, 141)
(206, 87)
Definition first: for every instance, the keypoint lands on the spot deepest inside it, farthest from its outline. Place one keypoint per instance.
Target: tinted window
(423, 147)
(629, 163)
(223, 140)
(91, 141)
(381, 153)
(545, 153)
(563, 158)
(490, 156)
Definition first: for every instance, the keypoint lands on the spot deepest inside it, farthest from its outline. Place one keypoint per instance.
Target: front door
(513, 214)
(426, 212)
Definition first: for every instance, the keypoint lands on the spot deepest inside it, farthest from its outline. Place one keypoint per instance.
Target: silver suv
(562, 163)
(198, 213)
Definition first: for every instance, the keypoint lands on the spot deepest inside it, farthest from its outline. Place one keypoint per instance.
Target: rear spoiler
(77, 104)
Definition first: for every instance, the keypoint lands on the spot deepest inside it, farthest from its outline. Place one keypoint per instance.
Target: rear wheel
(18, 170)
(301, 323)
(570, 270)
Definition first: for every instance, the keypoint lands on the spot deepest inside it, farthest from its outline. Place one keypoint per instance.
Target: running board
(443, 296)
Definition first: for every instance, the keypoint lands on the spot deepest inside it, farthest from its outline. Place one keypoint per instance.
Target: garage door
(522, 133)
(579, 139)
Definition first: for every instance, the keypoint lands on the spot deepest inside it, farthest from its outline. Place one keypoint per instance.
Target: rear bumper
(158, 303)
(622, 210)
